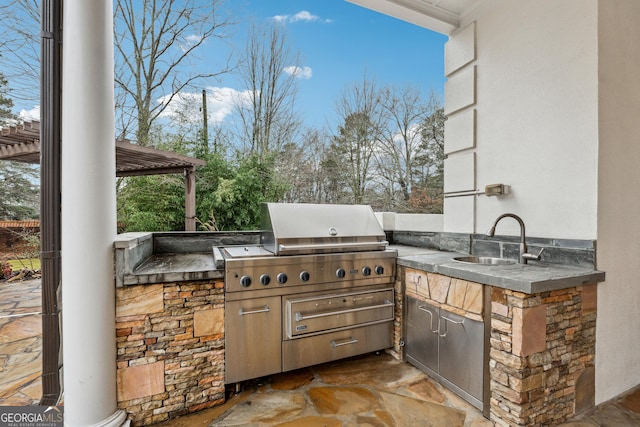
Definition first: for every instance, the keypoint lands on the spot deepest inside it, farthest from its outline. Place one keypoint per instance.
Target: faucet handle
(532, 256)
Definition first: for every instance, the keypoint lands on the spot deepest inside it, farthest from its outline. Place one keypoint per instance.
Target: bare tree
(431, 161)
(19, 195)
(20, 48)
(360, 111)
(401, 143)
(155, 46)
(305, 167)
(268, 70)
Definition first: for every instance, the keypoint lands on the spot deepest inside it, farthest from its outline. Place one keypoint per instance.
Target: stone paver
(623, 411)
(371, 390)
(20, 343)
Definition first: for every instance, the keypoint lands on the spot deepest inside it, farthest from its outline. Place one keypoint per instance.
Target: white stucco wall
(536, 119)
(555, 114)
(392, 221)
(557, 101)
(618, 326)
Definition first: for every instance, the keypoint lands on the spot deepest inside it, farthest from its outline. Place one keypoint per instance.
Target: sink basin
(484, 260)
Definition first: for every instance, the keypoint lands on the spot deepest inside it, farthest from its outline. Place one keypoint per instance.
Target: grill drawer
(316, 314)
(335, 345)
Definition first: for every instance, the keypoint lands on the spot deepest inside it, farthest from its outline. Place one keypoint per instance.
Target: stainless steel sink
(484, 260)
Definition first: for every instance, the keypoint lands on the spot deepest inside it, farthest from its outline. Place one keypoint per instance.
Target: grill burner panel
(286, 275)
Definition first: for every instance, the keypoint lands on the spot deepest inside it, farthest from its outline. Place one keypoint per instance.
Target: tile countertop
(529, 278)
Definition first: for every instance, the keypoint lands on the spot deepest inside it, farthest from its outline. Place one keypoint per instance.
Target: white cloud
(302, 16)
(220, 104)
(299, 72)
(281, 18)
(32, 114)
(189, 42)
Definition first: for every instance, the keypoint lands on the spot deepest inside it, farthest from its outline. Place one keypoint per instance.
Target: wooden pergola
(21, 143)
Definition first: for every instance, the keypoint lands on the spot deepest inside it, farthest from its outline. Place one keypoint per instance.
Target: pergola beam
(22, 150)
(152, 171)
(21, 143)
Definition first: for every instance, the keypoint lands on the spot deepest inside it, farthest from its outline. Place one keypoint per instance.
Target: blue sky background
(339, 42)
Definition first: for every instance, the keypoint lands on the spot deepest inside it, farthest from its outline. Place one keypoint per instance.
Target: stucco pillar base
(117, 419)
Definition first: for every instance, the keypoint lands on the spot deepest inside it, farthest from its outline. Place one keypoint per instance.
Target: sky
(339, 43)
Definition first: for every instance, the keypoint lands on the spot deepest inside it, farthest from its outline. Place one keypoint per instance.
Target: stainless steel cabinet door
(421, 339)
(253, 338)
(461, 350)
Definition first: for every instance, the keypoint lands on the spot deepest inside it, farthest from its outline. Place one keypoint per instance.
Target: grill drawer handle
(285, 247)
(264, 310)
(350, 340)
(300, 317)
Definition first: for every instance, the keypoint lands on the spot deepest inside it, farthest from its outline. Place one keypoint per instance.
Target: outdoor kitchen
(198, 314)
(518, 302)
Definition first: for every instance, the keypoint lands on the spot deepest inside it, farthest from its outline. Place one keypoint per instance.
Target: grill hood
(301, 228)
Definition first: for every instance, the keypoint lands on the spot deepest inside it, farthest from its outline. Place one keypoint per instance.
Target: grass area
(19, 264)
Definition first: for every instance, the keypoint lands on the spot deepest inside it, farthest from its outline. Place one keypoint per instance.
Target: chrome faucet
(524, 256)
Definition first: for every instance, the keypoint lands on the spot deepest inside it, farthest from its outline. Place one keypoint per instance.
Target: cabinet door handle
(457, 322)
(350, 340)
(264, 310)
(423, 308)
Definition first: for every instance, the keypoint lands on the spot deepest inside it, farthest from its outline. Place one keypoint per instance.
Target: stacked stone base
(542, 355)
(170, 340)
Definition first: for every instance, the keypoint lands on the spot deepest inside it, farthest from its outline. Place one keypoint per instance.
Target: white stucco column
(88, 215)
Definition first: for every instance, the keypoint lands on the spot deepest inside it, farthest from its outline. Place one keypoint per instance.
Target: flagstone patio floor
(371, 390)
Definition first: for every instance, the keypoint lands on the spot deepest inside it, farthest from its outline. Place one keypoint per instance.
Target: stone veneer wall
(170, 339)
(542, 355)
(455, 295)
(398, 330)
(579, 253)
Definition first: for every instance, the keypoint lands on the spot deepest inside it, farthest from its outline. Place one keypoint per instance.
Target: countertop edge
(529, 279)
(168, 277)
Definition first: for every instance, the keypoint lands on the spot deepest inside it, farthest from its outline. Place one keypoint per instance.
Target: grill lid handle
(310, 247)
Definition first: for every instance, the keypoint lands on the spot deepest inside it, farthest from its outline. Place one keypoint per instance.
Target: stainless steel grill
(318, 288)
(292, 229)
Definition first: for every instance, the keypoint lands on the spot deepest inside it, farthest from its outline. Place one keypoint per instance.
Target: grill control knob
(379, 269)
(304, 276)
(340, 273)
(265, 279)
(282, 278)
(245, 281)
(366, 271)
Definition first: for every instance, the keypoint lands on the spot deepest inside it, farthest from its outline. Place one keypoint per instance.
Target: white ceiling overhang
(442, 16)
